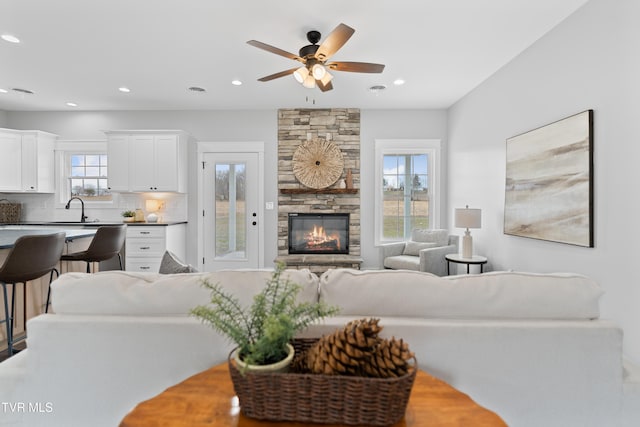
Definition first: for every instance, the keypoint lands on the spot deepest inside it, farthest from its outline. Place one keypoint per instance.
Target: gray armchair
(424, 252)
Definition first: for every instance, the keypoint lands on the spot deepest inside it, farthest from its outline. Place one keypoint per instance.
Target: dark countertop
(62, 224)
(9, 234)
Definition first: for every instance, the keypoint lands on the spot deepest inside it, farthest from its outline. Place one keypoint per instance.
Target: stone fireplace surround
(342, 126)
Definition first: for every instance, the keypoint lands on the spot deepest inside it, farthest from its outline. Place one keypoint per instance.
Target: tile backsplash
(46, 207)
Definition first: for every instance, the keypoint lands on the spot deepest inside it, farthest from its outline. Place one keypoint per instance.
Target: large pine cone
(390, 359)
(342, 352)
(356, 349)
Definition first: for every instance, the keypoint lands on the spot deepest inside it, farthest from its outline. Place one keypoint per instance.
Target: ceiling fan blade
(356, 67)
(275, 50)
(334, 41)
(324, 87)
(277, 75)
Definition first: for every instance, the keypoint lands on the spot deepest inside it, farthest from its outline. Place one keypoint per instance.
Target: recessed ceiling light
(236, 82)
(197, 89)
(124, 89)
(398, 82)
(3, 90)
(10, 38)
(71, 104)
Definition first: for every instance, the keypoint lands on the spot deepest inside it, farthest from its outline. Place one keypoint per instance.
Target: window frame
(63, 152)
(430, 147)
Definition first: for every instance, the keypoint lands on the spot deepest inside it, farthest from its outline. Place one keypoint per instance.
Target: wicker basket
(326, 399)
(9, 211)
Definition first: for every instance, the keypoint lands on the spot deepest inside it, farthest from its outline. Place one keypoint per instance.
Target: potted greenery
(129, 216)
(262, 331)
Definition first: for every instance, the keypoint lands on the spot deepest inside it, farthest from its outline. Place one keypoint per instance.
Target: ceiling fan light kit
(315, 72)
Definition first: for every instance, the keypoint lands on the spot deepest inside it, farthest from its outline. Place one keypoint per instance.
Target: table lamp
(152, 206)
(467, 218)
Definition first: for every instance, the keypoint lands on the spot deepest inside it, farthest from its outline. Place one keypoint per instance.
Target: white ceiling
(82, 51)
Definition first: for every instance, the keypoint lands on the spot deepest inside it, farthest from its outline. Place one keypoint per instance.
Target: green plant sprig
(262, 330)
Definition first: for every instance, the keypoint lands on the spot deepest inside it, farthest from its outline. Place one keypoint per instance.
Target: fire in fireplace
(318, 233)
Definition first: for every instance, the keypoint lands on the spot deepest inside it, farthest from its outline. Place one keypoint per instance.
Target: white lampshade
(300, 74)
(318, 71)
(327, 78)
(468, 218)
(152, 205)
(309, 82)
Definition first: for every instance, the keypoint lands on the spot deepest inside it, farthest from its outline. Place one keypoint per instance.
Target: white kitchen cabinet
(146, 244)
(148, 161)
(27, 161)
(118, 158)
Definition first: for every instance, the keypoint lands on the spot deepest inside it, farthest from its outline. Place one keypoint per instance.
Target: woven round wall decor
(318, 163)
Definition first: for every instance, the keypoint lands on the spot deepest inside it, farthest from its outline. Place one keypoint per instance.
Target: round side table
(459, 259)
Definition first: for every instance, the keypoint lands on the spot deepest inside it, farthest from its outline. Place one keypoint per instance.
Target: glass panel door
(230, 211)
(231, 220)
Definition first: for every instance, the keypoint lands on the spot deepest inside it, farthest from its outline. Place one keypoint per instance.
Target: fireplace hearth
(318, 233)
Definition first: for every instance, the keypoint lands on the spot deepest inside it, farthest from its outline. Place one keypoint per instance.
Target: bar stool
(31, 257)
(106, 244)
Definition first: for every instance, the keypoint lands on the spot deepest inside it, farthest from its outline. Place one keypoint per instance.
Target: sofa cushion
(402, 262)
(171, 264)
(154, 294)
(495, 295)
(439, 236)
(414, 248)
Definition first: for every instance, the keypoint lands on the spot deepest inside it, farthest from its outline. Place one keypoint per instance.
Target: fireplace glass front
(318, 233)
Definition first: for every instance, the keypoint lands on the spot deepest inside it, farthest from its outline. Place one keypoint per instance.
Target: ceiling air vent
(23, 91)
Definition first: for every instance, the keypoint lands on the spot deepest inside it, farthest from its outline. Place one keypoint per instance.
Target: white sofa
(529, 347)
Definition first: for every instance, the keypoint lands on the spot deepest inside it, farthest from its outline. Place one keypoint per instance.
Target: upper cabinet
(26, 161)
(146, 161)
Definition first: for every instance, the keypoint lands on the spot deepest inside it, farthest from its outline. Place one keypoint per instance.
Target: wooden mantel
(319, 191)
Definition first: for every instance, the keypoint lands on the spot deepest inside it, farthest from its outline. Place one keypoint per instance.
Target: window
(88, 177)
(82, 171)
(407, 192)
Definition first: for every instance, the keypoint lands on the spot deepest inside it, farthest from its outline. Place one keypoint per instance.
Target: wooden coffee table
(205, 399)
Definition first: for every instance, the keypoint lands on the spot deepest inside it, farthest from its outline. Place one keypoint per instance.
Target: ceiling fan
(314, 71)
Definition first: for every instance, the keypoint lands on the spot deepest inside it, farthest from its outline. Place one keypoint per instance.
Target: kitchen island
(10, 233)
(76, 240)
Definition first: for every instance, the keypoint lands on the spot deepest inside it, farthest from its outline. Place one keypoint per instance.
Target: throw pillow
(170, 264)
(439, 236)
(413, 248)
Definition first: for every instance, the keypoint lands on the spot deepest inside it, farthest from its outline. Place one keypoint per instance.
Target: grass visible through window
(88, 177)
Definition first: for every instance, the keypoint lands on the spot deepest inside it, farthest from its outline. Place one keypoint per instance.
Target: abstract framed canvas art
(549, 182)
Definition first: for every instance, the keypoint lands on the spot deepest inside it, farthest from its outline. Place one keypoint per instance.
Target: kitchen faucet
(82, 216)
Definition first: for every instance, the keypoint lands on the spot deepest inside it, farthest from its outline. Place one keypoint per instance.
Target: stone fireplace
(341, 126)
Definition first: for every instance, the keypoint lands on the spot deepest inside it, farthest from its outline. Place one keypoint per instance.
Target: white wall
(3, 119)
(590, 61)
(235, 126)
